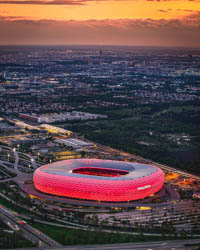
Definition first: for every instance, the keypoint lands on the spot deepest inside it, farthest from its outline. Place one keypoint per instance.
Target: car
(22, 222)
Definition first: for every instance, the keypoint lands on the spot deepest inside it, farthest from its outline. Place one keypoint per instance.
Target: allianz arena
(99, 180)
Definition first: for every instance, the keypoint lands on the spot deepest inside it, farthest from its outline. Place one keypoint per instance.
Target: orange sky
(96, 13)
(101, 9)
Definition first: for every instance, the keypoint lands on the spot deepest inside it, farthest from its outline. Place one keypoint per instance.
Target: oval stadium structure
(99, 180)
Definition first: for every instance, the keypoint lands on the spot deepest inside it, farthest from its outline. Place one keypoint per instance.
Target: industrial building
(75, 143)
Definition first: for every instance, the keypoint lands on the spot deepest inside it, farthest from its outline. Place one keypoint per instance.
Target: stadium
(98, 180)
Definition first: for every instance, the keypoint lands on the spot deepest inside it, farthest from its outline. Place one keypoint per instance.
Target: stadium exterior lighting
(99, 180)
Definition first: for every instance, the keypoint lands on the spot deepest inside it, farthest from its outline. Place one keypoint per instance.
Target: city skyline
(98, 144)
(82, 22)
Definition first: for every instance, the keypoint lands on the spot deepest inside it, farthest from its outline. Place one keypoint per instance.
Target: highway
(30, 233)
(167, 245)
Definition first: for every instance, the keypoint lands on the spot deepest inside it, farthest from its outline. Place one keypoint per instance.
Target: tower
(100, 57)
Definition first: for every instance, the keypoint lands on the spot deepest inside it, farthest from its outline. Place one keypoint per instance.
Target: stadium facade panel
(99, 180)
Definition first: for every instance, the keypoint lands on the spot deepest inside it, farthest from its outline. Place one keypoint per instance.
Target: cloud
(13, 18)
(171, 0)
(68, 2)
(53, 2)
(179, 10)
(187, 10)
(164, 11)
(163, 32)
(46, 2)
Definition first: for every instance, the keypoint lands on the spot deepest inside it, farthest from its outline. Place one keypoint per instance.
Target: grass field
(75, 236)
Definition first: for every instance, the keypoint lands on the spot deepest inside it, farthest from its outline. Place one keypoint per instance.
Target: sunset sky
(117, 22)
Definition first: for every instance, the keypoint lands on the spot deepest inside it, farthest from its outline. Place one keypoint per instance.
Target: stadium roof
(65, 168)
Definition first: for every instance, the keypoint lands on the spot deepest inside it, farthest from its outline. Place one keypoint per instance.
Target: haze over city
(101, 22)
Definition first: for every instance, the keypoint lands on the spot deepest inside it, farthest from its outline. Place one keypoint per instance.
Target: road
(15, 226)
(16, 157)
(167, 245)
(30, 233)
(16, 165)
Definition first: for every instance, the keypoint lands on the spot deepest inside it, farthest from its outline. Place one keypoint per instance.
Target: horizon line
(98, 45)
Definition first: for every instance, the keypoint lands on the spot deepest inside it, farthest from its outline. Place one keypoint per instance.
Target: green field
(75, 236)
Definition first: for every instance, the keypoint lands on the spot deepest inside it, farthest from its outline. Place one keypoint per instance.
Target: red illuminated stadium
(99, 180)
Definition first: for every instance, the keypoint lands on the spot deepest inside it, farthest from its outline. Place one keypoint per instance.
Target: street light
(8, 157)
(38, 154)
(14, 149)
(29, 165)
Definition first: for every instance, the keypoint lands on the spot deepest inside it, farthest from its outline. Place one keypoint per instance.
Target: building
(196, 195)
(61, 155)
(55, 117)
(75, 143)
(99, 180)
(55, 130)
(33, 118)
